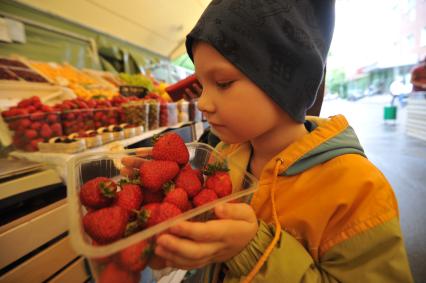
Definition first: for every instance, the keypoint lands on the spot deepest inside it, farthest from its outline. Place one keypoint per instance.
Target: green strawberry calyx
(211, 169)
(131, 228)
(168, 187)
(107, 190)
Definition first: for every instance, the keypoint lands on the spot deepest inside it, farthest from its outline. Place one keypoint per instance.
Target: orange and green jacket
(338, 214)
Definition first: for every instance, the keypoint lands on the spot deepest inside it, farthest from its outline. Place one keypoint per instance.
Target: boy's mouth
(215, 125)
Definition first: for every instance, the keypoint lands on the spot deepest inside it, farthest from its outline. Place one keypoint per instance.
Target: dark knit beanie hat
(280, 45)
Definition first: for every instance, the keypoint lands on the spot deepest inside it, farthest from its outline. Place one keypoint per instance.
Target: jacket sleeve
(376, 255)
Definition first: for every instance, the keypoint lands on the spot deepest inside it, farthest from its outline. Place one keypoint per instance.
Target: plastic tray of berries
(114, 220)
(31, 123)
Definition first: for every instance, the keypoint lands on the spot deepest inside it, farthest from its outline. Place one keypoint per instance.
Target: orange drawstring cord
(274, 241)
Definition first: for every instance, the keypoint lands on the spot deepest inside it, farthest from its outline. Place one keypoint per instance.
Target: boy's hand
(192, 245)
(133, 163)
(194, 92)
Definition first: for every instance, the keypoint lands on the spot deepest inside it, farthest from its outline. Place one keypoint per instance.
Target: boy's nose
(205, 102)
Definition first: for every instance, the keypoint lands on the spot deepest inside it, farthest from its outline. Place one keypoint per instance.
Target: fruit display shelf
(59, 160)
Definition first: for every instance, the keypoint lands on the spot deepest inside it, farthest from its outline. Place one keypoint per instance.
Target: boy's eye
(224, 85)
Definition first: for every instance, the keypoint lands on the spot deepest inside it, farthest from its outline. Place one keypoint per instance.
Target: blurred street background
(401, 158)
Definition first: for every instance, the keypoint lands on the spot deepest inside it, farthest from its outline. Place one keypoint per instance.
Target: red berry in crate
(36, 116)
(30, 134)
(135, 258)
(154, 174)
(37, 104)
(57, 129)
(24, 123)
(114, 274)
(189, 181)
(150, 197)
(130, 198)
(31, 109)
(45, 131)
(218, 179)
(34, 144)
(52, 118)
(46, 108)
(178, 197)
(98, 192)
(36, 126)
(24, 103)
(205, 196)
(106, 225)
(170, 147)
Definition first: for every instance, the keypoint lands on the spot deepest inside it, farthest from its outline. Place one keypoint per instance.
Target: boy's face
(235, 107)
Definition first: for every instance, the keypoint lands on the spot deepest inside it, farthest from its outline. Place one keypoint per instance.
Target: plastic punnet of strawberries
(165, 186)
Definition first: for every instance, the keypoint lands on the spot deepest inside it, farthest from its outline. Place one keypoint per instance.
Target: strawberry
(150, 197)
(198, 172)
(24, 103)
(178, 197)
(36, 126)
(24, 123)
(37, 116)
(130, 198)
(205, 196)
(135, 257)
(155, 213)
(46, 131)
(171, 147)
(189, 181)
(52, 118)
(34, 143)
(31, 109)
(30, 134)
(114, 274)
(98, 192)
(148, 215)
(154, 174)
(106, 225)
(57, 129)
(218, 179)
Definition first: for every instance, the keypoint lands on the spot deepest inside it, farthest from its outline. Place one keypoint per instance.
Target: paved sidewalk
(401, 158)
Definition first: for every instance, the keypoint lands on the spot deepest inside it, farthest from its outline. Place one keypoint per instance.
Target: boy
(323, 212)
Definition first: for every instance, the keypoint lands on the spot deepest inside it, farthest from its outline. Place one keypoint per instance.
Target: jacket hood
(343, 142)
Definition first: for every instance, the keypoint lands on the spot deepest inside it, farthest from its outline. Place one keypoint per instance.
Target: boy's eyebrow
(218, 68)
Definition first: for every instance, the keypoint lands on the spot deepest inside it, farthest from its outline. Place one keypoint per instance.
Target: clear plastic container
(172, 118)
(29, 130)
(74, 121)
(84, 167)
(153, 114)
(136, 113)
(105, 117)
(183, 111)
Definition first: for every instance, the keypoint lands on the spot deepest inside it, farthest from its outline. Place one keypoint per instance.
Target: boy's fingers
(236, 211)
(197, 87)
(132, 162)
(126, 172)
(184, 250)
(190, 94)
(143, 151)
(199, 231)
